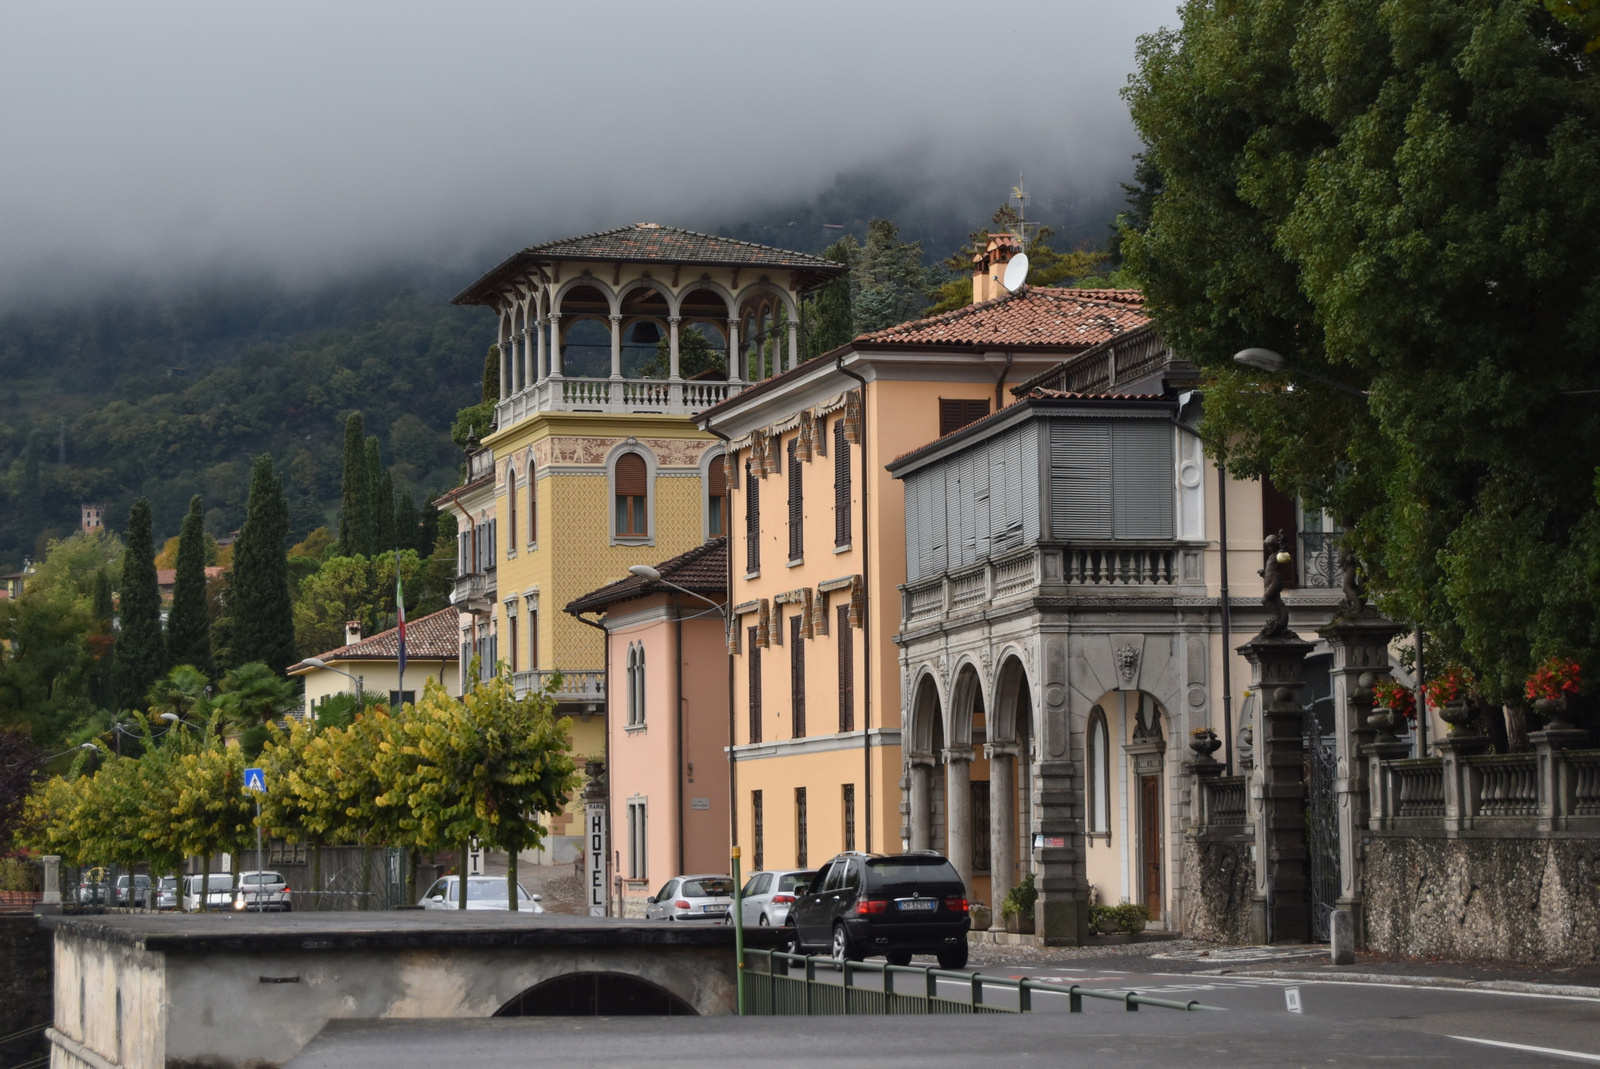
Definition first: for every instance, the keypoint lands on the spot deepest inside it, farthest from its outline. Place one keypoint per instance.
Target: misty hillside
(171, 394)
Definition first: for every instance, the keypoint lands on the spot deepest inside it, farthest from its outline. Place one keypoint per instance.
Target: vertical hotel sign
(595, 851)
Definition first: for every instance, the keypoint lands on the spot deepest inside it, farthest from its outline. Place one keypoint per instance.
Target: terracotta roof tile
(1031, 316)
(435, 637)
(703, 569)
(651, 241)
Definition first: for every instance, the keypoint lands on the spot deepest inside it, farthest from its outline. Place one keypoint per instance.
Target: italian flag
(400, 611)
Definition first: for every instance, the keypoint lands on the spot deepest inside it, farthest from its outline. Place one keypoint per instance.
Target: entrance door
(1150, 853)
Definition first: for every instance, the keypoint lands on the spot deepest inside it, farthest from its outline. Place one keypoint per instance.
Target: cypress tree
(140, 656)
(102, 678)
(491, 374)
(387, 532)
(188, 626)
(263, 619)
(355, 514)
(405, 522)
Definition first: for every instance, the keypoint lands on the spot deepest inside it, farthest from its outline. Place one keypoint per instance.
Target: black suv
(897, 906)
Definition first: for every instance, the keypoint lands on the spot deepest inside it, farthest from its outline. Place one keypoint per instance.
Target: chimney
(988, 268)
(352, 632)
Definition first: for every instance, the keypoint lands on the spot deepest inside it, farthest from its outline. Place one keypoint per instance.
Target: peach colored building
(667, 722)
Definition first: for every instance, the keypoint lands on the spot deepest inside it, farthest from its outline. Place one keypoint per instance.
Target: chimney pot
(989, 267)
(352, 632)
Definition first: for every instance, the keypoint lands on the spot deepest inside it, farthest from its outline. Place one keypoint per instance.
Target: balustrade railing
(1585, 783)
(1418, 787)
(1528, 793)
(1121, 566)
(614, 395)
(1224, 799)
(574, 686)
(969, 588)
(1012, 574)
(1503, 785)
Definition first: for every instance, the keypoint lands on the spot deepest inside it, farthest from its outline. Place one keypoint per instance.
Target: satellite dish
(1016, 273)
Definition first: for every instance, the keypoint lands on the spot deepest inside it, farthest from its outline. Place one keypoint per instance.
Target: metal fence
(773, 990)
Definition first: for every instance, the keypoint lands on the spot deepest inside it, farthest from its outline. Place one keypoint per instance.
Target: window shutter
(842, 523)
(533, 505)
(1080, 479)
(511, 505)
(1005, 491)
(797, 534)
(752, 522)
(1143, 479)
(753, 660)
(847, 671)
(718, 478)
(957, 412)
(797, 677)
(631, 475)
(730, 470)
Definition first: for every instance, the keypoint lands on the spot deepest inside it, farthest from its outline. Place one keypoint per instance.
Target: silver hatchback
(692, 898)
(768, 895)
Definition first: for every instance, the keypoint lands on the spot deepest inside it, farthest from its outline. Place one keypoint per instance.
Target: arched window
(533, 505)
(1098, 780)
(636, 685)
(717, 497)
(511, 508)
(632, 496)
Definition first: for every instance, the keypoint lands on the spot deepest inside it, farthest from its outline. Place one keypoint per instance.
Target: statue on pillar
(1353, 584)
(1271, 572)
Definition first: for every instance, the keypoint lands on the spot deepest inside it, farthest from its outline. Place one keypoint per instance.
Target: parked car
(141, 891)
(692, 898)
(262, 891)
(767, 896)
(897, 906)
(94, 888)
(218, 892)
(167, 893)
(483, 892)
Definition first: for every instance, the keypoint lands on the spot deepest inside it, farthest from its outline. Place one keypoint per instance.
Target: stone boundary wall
(1521, 900)
(27, 960)
(1219, 878)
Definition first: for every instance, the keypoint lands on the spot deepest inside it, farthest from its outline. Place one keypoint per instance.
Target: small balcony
(474, 593)
(656, 396)
(576, 686)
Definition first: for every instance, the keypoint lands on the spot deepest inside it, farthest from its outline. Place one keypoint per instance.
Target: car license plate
(715, 909)
(923, 904)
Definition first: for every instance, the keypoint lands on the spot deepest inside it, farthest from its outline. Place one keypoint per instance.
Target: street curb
(1521, 987)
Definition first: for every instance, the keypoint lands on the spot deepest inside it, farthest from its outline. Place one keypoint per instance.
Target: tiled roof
(669, 244)
(435, 637)
(1033, 316)
(704, 570)
(169, 576)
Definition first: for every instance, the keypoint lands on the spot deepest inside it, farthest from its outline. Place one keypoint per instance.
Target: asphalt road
(1338, 1023)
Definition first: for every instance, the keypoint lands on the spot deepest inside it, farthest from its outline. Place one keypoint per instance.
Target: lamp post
(318, 662)
(1273, 362)
(653, 575)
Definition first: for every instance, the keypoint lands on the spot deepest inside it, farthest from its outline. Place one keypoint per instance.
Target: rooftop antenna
(1025, 229)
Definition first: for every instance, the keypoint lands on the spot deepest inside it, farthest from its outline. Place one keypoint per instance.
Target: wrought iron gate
(1322, 825)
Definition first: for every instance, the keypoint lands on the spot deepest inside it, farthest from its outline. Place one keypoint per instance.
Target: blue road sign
(255, 780)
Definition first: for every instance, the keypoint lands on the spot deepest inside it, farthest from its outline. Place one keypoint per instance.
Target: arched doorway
(1126, 801)
(1011, 811)
(926, 816)
(967, 784)
(596, 994)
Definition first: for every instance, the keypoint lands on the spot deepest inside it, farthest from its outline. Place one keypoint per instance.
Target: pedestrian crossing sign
(255, 780)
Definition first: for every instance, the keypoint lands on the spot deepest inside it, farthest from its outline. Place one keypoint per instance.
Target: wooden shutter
(1143, 479)
(753, 661)
(1080, 479)
(752, 522)
(533, 504)
(957, 412)
(631, 475)
(797, 533)
(717, 493)
(847, 671)
(797, 677)
(842, 523)
(511, 505)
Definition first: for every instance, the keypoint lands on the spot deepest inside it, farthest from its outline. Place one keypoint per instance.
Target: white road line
(1577, 1054)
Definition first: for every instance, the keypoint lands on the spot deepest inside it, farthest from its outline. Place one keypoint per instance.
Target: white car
(483, 892)
(218, 892)
(768, 895)
(692, 898)
(262, 891)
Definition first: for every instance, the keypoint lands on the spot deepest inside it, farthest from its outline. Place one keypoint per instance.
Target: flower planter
(1459, 715)
(1019, 923)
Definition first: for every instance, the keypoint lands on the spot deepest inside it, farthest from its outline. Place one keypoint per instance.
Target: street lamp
(318, 662)
(63, 753)
(1272, 363)
(644, 571)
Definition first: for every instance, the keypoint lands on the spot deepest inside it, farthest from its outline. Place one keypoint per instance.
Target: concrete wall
(1219, 878)
(1526, 900)
(25, 951)
(109, 1001)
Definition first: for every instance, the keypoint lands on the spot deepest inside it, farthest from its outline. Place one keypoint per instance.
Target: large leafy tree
(45, 660)
(1398, 196)
(141, 654)
(188, 624)
(263, 619)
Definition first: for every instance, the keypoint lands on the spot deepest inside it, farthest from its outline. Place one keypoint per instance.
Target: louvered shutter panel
(797, 533)
(1080, 479)
(511, 503)
(717, 495)
(1005, 491)
(1143, 479)
(533, 503)
(631, 475)
(753, 660)
(797, 676)
(847, 671)
(752, 522)
(957, 412)
(842, 520)
(978, 495)
(913, 528)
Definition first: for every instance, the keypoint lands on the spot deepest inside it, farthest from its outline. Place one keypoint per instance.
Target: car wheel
(843, 949)
(899, 957)
(763, 922)
(792, 934)
(953, 958)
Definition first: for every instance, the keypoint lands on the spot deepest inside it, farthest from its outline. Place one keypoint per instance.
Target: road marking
(1578, 1054)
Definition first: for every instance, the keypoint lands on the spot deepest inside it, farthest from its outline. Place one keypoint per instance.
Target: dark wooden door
(1150, 842)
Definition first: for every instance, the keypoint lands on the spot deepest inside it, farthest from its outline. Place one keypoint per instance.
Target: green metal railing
(771, 989)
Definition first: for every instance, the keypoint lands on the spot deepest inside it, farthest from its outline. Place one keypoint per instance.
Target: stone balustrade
(1463, 792)
(577, 686)
(681, 398)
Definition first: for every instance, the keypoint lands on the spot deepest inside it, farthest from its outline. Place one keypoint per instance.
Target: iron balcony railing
(681, 398)
(773, 989)
(574, 686)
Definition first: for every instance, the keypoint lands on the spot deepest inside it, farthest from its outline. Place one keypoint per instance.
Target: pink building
(667, 728)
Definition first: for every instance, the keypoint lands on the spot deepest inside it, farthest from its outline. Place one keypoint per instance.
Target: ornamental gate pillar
(1278, 909)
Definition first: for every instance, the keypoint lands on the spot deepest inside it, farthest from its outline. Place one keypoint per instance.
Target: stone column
(921, 802)
(1278, 910)
(555, 345)
(516, 354)
(1360, 644)
(1457, 804)
(794, 343)
(733, 350)
(505, 353)
(529, 368)
(673, 372)
(958, 809)
(51, 902)
(616, 346)
(1002, 825)
(1556, 787)
(539, 326)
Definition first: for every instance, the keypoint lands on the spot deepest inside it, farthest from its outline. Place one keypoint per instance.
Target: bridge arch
(596, 994)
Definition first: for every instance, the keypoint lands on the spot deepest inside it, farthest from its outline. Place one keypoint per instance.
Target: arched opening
(596, 994)
(967, 785)
(926, 816)
(704, 312)
(1126, 792)
(1010, 803)
(585, 333)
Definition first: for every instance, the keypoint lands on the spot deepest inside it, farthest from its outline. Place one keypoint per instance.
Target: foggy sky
(156, 141)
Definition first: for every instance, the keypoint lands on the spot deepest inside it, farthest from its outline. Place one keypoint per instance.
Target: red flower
(1554, 679)
(1452, 684)
(1391, 694)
